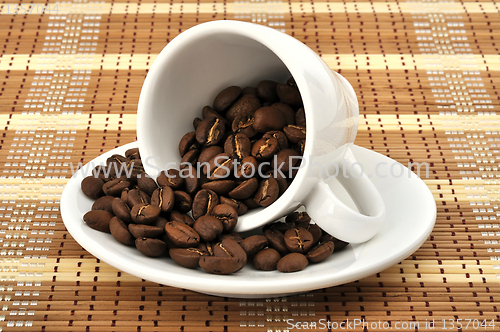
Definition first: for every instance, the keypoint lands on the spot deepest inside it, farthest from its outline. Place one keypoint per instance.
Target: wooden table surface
(426, 74)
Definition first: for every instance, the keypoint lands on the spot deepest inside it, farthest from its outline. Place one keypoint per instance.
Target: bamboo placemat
(426, 74)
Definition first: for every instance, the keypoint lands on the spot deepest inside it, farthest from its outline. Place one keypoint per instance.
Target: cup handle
(338, 219)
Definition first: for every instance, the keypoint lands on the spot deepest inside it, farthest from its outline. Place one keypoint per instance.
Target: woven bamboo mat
(426, 74)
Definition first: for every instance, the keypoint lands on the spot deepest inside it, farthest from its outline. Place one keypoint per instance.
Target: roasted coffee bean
(219, 167)
(133, 153)
(227, 214)
(136, 196)
(239, 206)
(124, 194)
(244, 124)
(298, 217)
(231, 248)
(253, 244)
(250, 203)
(219, 265)
(204, 202)
(191, 179)
(300, 117)
(301, 145)
(237, 146)
(266, 91)
(208, 154)
(249, 90)
(163, 198)
(115, 162)
(100, 171)
(98, 220)
(196, 123)
(245, 189)
(286, 160)
(298, 239)
(209, 113)
(151, 247)
(280, 136)
(210, 132)
(189, 159)
(282, 181)
(276, 240)
(182, 201)
(268, 118)
(121, 210)
(316, 232)
(291, 82)
(181, 234)
(146, 183)
(226, 97)
(267, 192)
(120, 231)
(266, 260)
(160, 222)
(292, 263)
(149, 231)
(134, 166)
(104, 203)
(339, 244)
(182, 217)
(208, 227)
(220, 187)
(92, 187)
(188, 142)
(245, 105)
(289, 95)
(187, 257)
(145, 213)
(320, 252)
(232, 236)
(295, 133)
(247, 168)
(170, 178)
(287, 111)
(207, 247)
(279, 227)
(115, 187)
(265, 148)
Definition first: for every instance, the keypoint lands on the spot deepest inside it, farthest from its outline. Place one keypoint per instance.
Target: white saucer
(411, 213)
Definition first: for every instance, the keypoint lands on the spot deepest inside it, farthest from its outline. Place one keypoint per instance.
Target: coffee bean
(171, 178)
(244, 124)
(181, 234)
(120, 232)
(103, 203)
(226, 97)
(291, 82)
(245, 105)
(227, 214)
(239, 206)
(219, 265)
(188, 142)
(268, 118)
(121, 210)
(276, 240)
(150, 231)
(231, 248)
(266, 91)
(160, 222)
(286, 160)
(204, 202)
(282, 181)
(92, 187)
(265, 148)
(191, 179)
(133, 153)
(301, 145)
(220, 187)
(315, 231)
(298, 239)
(320, 252)
(295, 133)
(182, 217)
(249, 90)
(182, 201)
(208, 227)
(208, 154)
(253, 244)
(146, 184)
(210, 132)
(266, 260)
(289, 95)
(237, 146)
(298, 217)
(207, 247)
(292, 262)
(115, 187)
(100, 171)
(187, 257)
(145, 213)
(219, 167)
(163, 198)
(232, 236)
(136, 196)
(279, 227)
(280, 136)
(151, 247)
(287, 111)
(124, 194)
(247, 168)
(267, 192)
(98, 220)
(208, 113)
(189, 159)
(300, 117)
(339, 244)
(115, 164)
(245, 189)
(250, 203)
(134, 167)
(196, 123)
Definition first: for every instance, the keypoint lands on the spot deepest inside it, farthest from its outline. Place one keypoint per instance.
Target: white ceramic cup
(203, 60)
